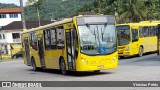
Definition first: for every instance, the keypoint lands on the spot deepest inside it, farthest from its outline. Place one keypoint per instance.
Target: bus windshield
(123, 35)
(97, 39)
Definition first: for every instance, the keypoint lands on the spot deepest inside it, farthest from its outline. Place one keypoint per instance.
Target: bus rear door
(135, 46)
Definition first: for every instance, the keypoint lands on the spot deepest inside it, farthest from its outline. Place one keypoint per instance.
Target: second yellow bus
(136, 38)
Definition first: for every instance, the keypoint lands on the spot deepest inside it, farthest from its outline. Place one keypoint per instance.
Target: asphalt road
(146, 68)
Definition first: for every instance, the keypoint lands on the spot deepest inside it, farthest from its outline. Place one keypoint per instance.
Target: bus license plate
(100, 67)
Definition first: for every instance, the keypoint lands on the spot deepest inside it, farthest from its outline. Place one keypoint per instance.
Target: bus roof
(48, 25)
(156, 22)
(142, 23)
(67, 20)
(130, 24)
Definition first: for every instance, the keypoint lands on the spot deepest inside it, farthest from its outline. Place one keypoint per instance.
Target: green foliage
(2, 5)
(126, 10)
(54, 9)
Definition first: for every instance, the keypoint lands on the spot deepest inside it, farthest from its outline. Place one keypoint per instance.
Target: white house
(10, 38)
(8, 15)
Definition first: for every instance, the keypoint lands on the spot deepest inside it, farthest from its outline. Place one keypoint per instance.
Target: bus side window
(152, 31)
(159, 32)
(60, 37)
(145, 31)
(155, 31)
(33, 40)
(134, 35)
(47, 37)
(141, 32)
(53, 38)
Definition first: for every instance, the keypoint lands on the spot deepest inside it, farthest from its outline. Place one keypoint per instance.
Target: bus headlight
(84, 61)
(114, 59)
(128, 48)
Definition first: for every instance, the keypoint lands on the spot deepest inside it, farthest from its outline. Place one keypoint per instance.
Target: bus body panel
(158, 41)
(149, 44)
(52, 57)
(88, 63)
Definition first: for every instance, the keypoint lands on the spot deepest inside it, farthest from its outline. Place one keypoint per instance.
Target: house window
(0, 36)
(13, 15)
(15, 35)
(3, 16)
(3, 36)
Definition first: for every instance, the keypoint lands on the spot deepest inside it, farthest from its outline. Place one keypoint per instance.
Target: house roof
(16, 25)
(9, 10)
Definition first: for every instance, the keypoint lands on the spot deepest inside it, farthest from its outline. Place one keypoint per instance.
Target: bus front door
(135, 37)
(41, 52)
(70, 49)
(27, 51)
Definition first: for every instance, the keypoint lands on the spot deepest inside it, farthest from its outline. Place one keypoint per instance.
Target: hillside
(54, 9)
(2, 5)
(51, 8)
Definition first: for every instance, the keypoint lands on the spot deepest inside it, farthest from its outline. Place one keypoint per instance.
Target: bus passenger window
(60, 37)
(159, 32)
(53, 38)
(145, 31)
(134, 35)
(141, 32)
(47, 38)
(33, 40)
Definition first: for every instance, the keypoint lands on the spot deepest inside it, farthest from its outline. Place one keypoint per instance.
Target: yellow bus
(158, 34)
(136, 38)
(81, 43)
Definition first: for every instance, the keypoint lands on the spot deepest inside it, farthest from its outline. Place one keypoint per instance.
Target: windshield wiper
(102, 31)
(91, 31)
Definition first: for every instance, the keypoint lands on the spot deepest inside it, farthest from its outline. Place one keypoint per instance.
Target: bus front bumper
(84, 67)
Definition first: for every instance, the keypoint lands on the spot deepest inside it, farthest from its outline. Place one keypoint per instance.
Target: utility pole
(22, 15)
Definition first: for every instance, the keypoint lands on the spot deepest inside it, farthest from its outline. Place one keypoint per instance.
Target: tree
(36, 3)
(134, 10)
(99, 6)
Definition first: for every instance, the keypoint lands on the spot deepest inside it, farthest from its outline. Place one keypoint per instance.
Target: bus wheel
(140, 54)
(97, 70)
(34, 65)
(121, 57)
(63, 67)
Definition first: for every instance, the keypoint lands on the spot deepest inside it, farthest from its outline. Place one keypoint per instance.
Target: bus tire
(121, 57)
(34, 64)
(140, 54)
(97, 70)
(63, 67)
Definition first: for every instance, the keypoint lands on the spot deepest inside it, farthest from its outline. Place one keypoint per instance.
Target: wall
(7, 20)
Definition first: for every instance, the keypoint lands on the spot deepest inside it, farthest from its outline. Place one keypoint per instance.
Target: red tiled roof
(9, 10)
(17, 25)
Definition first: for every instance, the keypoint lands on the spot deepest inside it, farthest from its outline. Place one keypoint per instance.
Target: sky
(13, 1)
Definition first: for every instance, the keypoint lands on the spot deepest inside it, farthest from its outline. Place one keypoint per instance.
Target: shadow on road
(70, 73)
(136, 56)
